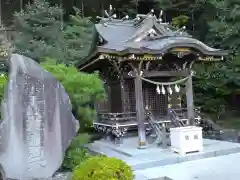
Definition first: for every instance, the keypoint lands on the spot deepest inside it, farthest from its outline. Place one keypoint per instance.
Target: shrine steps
(155, 156)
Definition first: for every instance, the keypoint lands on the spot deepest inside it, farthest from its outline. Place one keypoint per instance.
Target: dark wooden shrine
(139, 60)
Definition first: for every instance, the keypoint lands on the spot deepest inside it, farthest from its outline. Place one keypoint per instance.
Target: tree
(180, 21)
(225, 29)
(5, 50)
(202, 12)
(129, 8)
(39, 31)
(80, 35)
(221, 81)
(176, 11)
(5, 45)
(210, 89)
(189, 13)
(83, 89)
(225, 34)
(3, 81)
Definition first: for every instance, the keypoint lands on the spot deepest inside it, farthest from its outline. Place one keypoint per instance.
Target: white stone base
(181, 152)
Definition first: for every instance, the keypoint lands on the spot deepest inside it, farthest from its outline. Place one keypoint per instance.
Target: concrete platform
(216, 168)
(155, 156)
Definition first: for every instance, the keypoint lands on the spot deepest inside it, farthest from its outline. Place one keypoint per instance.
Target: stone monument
(38, 123)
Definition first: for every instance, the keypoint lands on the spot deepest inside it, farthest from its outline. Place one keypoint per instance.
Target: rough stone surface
(57, 176)
(38, 124)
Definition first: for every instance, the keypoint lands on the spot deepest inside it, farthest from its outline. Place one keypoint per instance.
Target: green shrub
(3, 81)
(76, 153)
(83, 89)
(103, 168)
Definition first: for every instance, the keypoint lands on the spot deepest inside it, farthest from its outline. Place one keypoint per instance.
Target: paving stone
(155, 156)
(216, 168)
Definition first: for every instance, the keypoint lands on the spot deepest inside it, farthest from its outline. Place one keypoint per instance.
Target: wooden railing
(160, 131)
(131, 116)
(182, 112)
(117, 116)
(175, 119)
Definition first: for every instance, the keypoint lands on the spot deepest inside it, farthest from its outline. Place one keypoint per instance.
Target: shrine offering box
(186, 139)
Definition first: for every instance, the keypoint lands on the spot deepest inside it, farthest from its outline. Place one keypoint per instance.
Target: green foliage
(39, 31)
(216, 22)
(127, 7)
(103, 168)
(5, 50)
(210, 89)
(225, 29)
(3, 82)
(215, 84)
(202, 12)
(180, 21)
(83, 89)
(79, 34)
(76, 153)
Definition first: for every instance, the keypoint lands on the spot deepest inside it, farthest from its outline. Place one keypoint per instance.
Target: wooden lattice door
(157, 103)
(130, 99)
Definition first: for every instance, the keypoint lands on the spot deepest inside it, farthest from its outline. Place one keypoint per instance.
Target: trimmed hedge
(103, 168)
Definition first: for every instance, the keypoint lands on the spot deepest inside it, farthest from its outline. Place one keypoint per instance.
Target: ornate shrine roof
(146, 34)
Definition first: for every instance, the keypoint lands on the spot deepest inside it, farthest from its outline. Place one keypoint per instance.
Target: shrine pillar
(190, 103)
(140, 112)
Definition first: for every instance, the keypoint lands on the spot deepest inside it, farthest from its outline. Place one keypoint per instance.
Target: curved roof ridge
(120, 35)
